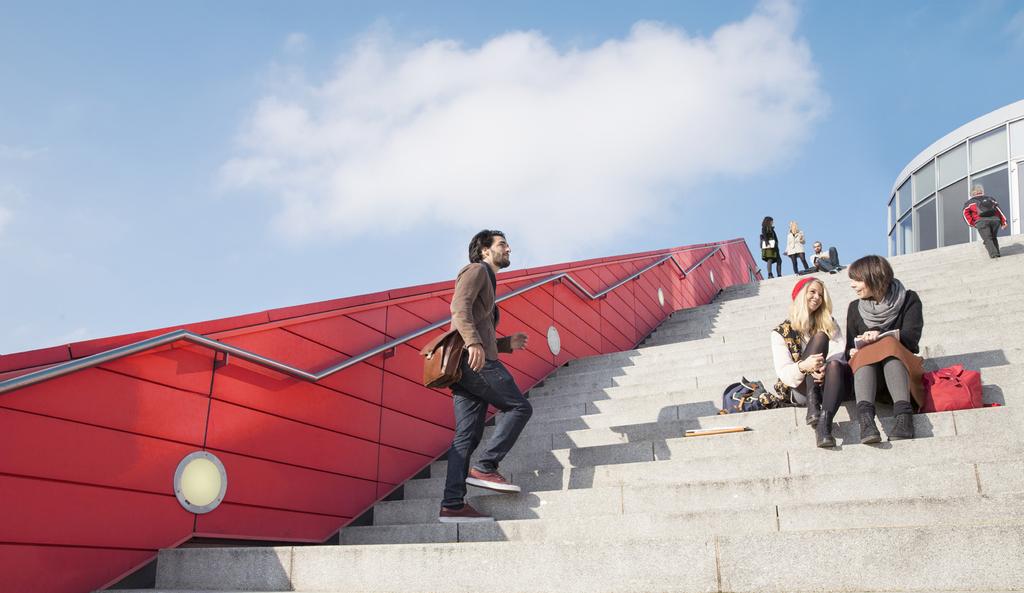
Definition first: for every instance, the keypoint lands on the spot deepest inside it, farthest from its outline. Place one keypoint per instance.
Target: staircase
(615, 499)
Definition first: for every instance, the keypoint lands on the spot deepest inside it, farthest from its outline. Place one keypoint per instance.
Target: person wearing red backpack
(982, 212)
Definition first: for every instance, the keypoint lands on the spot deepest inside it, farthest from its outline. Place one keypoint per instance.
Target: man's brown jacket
(473, 310)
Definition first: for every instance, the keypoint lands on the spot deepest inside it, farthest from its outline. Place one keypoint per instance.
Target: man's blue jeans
(471, 395)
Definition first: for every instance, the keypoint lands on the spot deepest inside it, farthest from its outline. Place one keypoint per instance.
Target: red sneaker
(491, 481)
(464, 514)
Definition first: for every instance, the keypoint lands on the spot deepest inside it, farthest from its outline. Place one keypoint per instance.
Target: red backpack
(951, 388)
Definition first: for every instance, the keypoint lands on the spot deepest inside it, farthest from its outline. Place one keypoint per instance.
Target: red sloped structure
(87, 459)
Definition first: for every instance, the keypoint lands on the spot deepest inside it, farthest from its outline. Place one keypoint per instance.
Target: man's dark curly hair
(480, 241)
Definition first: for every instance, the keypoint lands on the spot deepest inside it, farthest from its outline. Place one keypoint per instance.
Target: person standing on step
(808, 353)
(795, 246)
(485, 381)
(883, 364)
(770, 246)
(982, 212)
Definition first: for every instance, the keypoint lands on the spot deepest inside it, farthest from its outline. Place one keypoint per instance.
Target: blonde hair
(793, 227)
(807, 323)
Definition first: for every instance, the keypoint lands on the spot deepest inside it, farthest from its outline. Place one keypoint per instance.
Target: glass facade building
(926, 203)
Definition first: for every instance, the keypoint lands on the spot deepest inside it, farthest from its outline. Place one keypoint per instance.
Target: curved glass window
(951, 204)
(903, 197)
(924, 182)
(892, 244)
(892, 212)
(997, 185)
(926, 226)
(907, 234)
(952, 166)
(1017, 138)
(988, 149)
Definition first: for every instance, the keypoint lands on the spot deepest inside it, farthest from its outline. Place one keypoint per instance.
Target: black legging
(778, 266)
(793, 258)
(837, 376)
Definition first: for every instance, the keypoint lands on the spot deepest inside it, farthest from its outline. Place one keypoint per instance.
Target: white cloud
(296, 43)
(5, 217)
(519, 135)
(1015, 28)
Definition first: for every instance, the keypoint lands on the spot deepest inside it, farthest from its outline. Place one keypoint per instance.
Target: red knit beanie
(800, 285)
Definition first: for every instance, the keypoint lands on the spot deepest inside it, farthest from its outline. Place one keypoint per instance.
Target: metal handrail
(184, 335)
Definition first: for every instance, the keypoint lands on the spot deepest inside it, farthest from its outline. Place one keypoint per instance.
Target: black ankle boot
(904, 428)
(814, 404)
(823, 431)
(868, 430)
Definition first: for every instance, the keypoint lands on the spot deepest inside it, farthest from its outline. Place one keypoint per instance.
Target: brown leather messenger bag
(442, 358)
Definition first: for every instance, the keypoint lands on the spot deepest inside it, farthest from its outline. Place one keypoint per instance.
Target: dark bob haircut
(875, 272)
(480, 241)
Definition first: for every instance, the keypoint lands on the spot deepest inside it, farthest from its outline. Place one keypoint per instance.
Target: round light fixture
(200, 482)
(712, 275)
(554, 341)
(661, 297)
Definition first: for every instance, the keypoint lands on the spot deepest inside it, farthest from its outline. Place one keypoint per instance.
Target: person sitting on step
(808, 349)
(823, 261)
(883, 364)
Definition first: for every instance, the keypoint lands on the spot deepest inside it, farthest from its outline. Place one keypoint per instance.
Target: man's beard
(502, 263)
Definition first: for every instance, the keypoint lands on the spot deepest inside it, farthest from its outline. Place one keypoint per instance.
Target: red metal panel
(103, 398)
(48, 448)
(324, 306)
(189, 368)
(257, 482)
(299, 352)
(581, 306)
(529, 360)
(519, 309)
(341, 333)
(402, 322)
(565, 318)
(90, 347)
(421, 289)
(429, 309)
(34, 358)
(53, 569)
(58, 513)
(407, 363)
(248, 432)
(412, 434)
(572, 346)
(244, 522)
(539, 297)
(612, 316)
(416, 400)
(376, 318)
(383, 489)
(253, 387)
(396, 465)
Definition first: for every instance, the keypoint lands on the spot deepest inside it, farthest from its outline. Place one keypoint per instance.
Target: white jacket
(794, 243)
(789, 371)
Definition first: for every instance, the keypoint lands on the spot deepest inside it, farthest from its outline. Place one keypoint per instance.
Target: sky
(166, 163)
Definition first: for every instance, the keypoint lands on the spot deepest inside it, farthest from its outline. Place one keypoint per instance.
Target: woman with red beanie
(808, 351)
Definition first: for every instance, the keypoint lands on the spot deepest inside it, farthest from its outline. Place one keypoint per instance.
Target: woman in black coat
(770, 246)
(883, 305)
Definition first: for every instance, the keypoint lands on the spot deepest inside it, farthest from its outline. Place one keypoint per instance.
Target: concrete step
(660, 495)
(972, 509)
(938, 313)
(998, 368)
(611, 384)
(935, 430)
(966, 319)
(905, 558)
